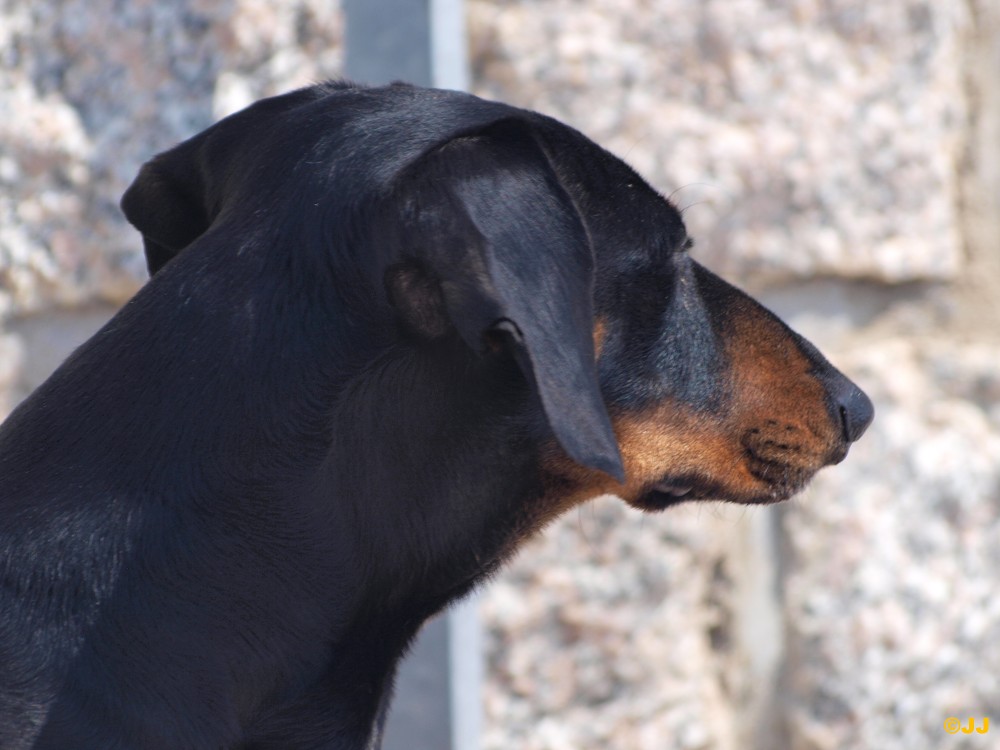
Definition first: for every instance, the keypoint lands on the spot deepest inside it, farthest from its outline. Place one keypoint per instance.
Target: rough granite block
(892, 561)
(90, 89)
(615, 630)
(802, 139)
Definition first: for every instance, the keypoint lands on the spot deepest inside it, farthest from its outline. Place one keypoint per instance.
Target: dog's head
(511, 232)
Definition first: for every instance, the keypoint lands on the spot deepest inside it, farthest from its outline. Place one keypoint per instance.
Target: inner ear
(416, 295)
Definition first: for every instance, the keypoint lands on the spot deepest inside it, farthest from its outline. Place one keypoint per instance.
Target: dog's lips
(671, 491)
(837, 454)
(781, 480)
(771, 483)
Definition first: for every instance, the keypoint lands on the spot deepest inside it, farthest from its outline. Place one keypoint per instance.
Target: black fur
(369, 332)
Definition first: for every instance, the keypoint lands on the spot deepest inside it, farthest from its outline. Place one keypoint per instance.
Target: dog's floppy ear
(488, 215)
(166, 202)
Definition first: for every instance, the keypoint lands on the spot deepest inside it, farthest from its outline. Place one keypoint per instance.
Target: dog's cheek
(666, 440)
(671, 441)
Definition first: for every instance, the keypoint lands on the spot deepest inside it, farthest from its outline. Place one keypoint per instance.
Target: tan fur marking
(775, 430)
(600, 334)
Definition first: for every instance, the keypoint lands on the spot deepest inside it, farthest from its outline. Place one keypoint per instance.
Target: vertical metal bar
(420, 717)
(388, 40)
(449, 45)
(465, 642)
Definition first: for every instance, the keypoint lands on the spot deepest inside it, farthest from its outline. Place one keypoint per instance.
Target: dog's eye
(687, 245)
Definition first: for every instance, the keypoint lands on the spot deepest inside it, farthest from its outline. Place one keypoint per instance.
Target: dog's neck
(387, 442)
(347, 438)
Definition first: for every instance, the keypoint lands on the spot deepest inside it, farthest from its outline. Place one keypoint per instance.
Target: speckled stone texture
(614, 631)
(90, 89)
(893, 561)
(826, 154)
(795, 134)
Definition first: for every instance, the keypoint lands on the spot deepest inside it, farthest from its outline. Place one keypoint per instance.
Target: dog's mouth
(763, 481)
(674, 490)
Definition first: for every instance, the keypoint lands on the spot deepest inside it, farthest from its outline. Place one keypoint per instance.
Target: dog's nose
(856, 409)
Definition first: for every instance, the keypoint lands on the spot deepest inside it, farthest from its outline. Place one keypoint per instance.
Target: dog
(389, 334)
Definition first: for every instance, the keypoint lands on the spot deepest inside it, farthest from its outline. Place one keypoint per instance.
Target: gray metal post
(388, 40)
(419, 41)
(438, 690)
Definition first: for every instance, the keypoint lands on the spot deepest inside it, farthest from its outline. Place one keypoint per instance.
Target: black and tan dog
(389, 334)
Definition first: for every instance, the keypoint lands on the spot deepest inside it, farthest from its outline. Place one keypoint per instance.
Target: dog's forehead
(388, 128)
(631, 225)
(353, 140)
(394, 124)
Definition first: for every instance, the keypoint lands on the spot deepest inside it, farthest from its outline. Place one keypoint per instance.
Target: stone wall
(840, 158)
(90, 89)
